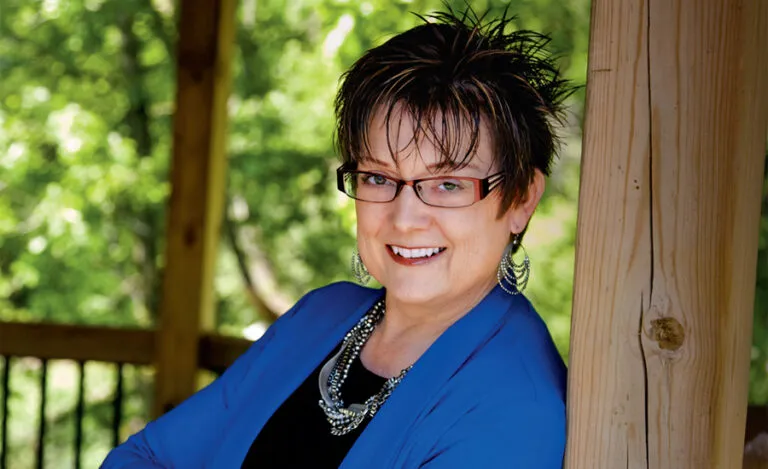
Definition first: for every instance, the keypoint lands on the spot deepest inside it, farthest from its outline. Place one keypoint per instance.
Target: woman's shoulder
(530, 349)
(504, 406)
(344, 290)
(326, 307)
(336, 298)
(521, 359)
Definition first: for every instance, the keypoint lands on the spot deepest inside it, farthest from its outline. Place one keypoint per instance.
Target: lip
(409, 262)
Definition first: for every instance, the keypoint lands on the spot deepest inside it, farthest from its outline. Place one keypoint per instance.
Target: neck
(408, 330)
(403, 318)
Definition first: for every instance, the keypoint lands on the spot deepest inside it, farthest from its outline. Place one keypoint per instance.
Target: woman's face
(470, 240)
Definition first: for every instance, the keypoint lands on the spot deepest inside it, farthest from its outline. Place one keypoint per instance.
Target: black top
(298, 434)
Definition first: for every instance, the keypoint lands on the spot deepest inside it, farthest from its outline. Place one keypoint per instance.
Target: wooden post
(677, 109)
(206, 36)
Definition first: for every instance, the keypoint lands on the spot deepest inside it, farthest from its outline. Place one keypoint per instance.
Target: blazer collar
(286, 362)
(428, 375)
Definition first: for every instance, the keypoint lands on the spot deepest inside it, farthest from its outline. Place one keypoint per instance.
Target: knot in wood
(668, 332)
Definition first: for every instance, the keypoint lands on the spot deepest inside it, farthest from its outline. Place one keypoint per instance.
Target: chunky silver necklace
(333, 374)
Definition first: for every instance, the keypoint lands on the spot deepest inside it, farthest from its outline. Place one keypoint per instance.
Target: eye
(376, 179)
(372, 179)
(450, 186)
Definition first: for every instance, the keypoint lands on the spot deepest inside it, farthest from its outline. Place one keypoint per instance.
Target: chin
(414, 292)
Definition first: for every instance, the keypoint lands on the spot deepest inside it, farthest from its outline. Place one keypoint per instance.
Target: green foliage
(84, 162)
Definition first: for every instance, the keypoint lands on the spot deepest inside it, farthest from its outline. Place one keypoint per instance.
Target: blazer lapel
(383, 438)
(285, 364)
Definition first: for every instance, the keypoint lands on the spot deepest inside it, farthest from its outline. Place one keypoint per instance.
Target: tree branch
(252, 263)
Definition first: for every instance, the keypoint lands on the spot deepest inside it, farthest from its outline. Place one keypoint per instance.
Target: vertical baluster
(41, 434)
(117, 405)
(79, 412)
(6, 394)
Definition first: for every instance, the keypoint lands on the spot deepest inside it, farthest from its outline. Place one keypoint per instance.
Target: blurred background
(87, 91)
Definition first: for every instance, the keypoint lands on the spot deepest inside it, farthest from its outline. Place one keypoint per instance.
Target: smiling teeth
(415, 253)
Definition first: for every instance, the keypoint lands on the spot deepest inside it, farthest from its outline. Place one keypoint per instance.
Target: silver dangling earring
(358, 269)
(514, 275)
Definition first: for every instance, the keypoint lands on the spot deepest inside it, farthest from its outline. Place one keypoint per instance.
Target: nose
(408, 211)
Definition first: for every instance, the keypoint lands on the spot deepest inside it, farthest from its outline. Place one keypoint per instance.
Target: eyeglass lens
(442, 192)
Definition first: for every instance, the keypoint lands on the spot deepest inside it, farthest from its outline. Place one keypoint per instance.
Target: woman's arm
(183, 437)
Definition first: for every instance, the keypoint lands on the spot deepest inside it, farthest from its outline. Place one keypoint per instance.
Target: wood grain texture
(206, 36)
(86, 343)
(667, 233)
(107, 344)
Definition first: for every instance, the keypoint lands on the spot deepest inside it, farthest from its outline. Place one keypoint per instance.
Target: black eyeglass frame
(483, 189)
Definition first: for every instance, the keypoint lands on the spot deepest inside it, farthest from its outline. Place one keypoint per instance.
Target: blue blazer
(489, 393)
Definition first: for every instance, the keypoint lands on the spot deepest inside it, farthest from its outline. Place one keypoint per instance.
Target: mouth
(414, 256)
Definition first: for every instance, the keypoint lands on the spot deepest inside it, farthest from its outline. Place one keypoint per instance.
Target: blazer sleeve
(525, 435)
(183, 437)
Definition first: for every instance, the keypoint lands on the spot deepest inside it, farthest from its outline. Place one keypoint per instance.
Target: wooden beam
(677, 110)
(217, 352)
(106, 344)
(82, 343)
(206, 36)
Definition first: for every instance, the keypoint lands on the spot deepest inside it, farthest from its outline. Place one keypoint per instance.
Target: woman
(446, 133)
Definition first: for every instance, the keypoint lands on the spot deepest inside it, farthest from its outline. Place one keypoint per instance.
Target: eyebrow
(430, 167)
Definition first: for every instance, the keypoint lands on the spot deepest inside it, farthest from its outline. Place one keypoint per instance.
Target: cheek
(483, 237)
(368, 219)
(477, 228)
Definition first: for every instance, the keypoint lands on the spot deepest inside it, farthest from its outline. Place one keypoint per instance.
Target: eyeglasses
(440, 191)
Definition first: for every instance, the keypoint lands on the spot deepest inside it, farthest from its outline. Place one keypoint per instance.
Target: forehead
(440, 141)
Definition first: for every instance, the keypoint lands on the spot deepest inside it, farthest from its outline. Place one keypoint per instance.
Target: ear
(519, 215)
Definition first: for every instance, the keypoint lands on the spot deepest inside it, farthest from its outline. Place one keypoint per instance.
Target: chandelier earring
(358, 269)
(513, 276)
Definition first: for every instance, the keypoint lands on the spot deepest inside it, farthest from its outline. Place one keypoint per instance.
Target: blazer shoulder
(335, 301)
(522, 359)
(344, 289)
(342, 294)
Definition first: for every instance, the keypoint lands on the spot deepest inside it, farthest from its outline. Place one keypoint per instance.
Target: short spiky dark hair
(453, 74)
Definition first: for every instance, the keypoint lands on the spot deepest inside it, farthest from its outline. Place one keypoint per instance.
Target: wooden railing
(81, 343)
(42, 418)
(84, 344)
